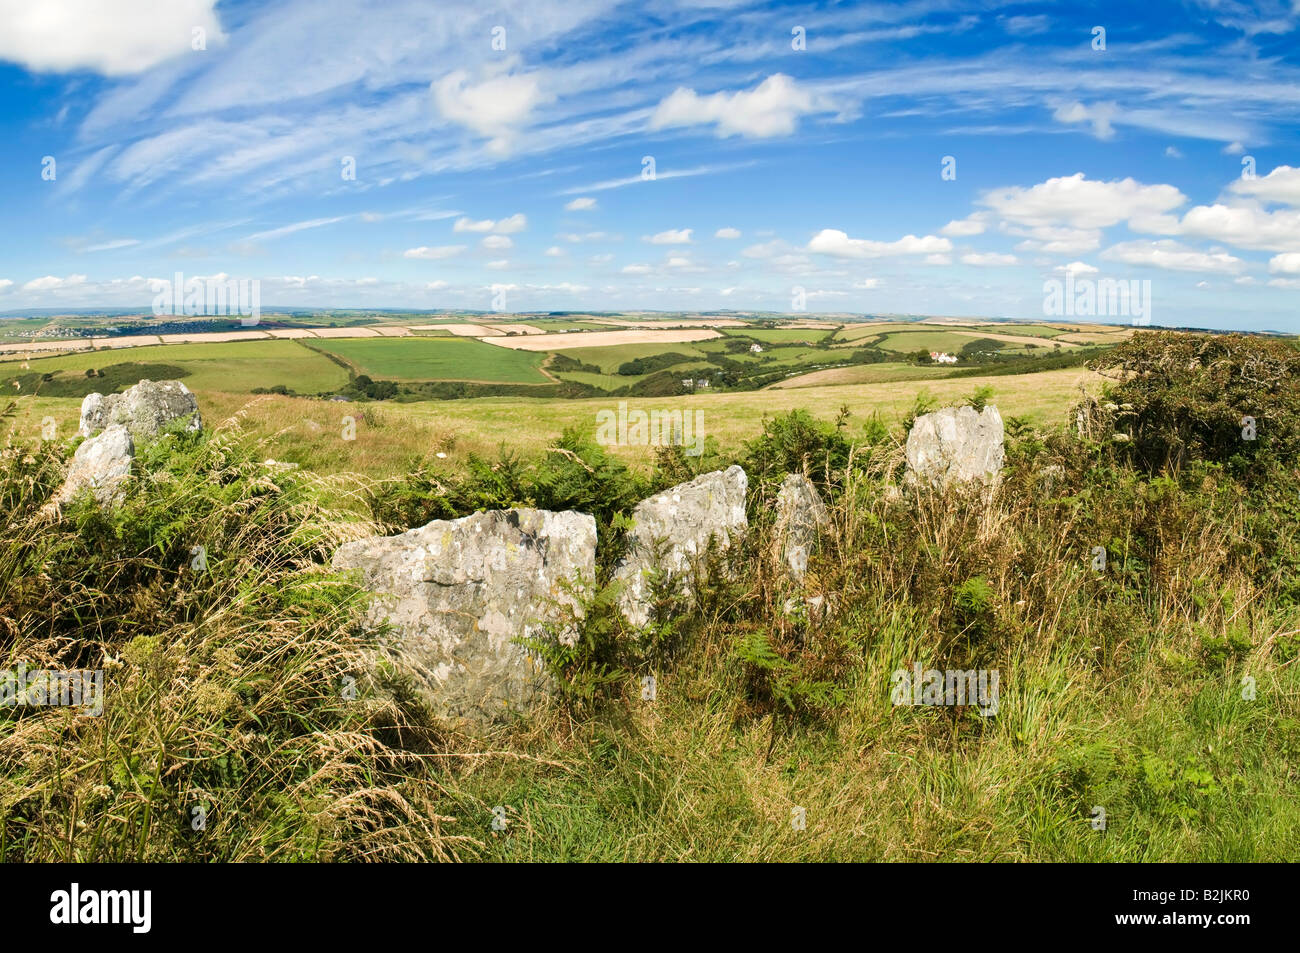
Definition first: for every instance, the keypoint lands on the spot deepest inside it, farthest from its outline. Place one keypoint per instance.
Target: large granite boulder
(101, 464)
(671, 532)
(954, 446)
(144, 409)
(458, 594)
(800, 518)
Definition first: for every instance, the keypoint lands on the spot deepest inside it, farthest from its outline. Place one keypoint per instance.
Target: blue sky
(522, 169)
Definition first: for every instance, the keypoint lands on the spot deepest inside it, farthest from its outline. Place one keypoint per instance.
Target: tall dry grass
(231, 729)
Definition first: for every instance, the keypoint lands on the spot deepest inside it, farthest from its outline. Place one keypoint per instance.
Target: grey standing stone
(956, 445)
(459, 593)
(680, 521)
(144, 409)
(101, 464)
(114, 425)
(800, 518)
(1051, 478)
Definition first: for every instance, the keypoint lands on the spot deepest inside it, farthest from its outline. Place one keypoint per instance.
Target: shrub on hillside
(573, 474)
(658, 384)
(797, 442)
(561, 362)
(651, 363)
(1223, 398)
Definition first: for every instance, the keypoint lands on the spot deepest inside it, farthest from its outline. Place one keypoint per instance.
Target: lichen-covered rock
(800, 518)
(1051, 479)
(458, 594)
(101, 463)
(144, 409)
(956, 445)
(114, 425)
(672, 530)
(809, 609)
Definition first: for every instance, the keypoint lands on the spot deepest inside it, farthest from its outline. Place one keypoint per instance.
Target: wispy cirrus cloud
(283, 230)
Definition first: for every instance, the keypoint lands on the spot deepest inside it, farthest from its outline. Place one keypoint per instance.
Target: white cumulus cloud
(1172, 256)
(1078, 268)
(440, 251)
(1245, 226)
(831, 241)
(1099, 115)
(1287, 263)
(115, 39)
(1083, 203)
(53, 283)
(770, 109)
(1280, 185)
(964, 227)
(673, 236)
(493, 108)
(987, 259)
(505, 226)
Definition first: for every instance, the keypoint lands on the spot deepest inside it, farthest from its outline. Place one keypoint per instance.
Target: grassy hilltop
(1162, 690)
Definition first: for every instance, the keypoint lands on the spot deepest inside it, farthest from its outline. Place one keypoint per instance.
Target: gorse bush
(797, 442)
(1221, 398)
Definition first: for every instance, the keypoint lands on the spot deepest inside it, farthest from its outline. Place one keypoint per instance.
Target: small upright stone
(679, 522)
(956, 445)
(800, 518)
(114, 426)
(101, 464)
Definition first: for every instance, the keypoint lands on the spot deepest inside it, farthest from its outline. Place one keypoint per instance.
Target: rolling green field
(795, 356)
(610, 358)
(862, 374)
(393, 437)
(437, 364)
(236, 366)
(1024, 330)
(857, 332)
(434, 359)
(781, 335)
(394, 434)
(904, 342)
(616, 381)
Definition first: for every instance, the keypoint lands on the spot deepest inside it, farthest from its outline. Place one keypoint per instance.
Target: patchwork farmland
(470, 386)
